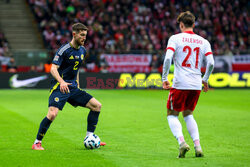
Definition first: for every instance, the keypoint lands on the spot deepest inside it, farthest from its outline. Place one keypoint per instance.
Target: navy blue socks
(44, 126)
(92, 120)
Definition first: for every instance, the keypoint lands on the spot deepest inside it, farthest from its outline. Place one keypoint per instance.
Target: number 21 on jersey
(189, 52)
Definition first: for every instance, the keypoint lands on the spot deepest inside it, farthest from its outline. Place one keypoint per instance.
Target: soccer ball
(92, 141)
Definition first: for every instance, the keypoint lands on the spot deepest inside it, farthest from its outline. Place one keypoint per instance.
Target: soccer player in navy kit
(65, 85)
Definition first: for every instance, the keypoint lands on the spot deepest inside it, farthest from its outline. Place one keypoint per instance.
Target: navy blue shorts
(76, 97)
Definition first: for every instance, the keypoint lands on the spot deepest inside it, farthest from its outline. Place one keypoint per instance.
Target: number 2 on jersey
(189, 51)
(75, 66)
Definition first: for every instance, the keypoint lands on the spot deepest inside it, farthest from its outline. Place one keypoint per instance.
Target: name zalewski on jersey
(32, 82)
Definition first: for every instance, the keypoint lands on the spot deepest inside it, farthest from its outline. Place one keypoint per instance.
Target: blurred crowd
(137, 26)
(7, 62)
(119, 26)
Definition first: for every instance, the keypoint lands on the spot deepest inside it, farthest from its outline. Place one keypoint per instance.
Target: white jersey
(188, 51)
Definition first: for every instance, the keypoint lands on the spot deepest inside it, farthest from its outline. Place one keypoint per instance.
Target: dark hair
(79, 27)
(187, 18)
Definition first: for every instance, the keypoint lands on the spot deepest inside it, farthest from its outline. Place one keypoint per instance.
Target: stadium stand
(5, 54)
(123, 26)
(129, 26)
(4, 45)
(19, 26)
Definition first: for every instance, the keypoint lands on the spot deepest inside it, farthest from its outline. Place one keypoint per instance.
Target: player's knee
(52, 114)
(98, 107)
(187, 112)
(172, 112)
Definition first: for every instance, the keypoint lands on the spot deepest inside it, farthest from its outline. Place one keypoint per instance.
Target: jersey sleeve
(58, 57)
(166, 65)
(207, 49)
(209, 60)
(171, 44)
(168, 58)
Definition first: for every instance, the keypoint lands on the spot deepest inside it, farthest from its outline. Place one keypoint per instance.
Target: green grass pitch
(133, 124)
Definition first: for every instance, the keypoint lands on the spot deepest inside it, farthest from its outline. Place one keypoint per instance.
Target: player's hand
(205, 89)
(166, 85)
(64, 87)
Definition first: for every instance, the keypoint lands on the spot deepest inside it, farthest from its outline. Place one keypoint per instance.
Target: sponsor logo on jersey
(56, 58)
(76, 57)
(56, 99)
(71, 57)
(82, 56)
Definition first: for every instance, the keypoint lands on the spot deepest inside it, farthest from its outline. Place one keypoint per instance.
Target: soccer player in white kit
(188, 50)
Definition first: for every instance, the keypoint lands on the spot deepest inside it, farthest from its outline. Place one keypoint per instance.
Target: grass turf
(133, 124)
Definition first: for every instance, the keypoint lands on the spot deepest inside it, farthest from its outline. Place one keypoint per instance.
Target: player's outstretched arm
(209, 69)
(166, 67)
(63, 85)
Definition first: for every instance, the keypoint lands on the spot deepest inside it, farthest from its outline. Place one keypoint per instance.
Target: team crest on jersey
(56, 58)
(56, 99)
(76, 57)
(71, 57)
(82, 56)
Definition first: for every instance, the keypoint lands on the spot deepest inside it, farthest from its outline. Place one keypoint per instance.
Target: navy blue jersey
(69, 60)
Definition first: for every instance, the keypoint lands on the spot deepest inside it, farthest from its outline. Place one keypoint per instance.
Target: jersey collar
(189, 32)
(73, 46)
